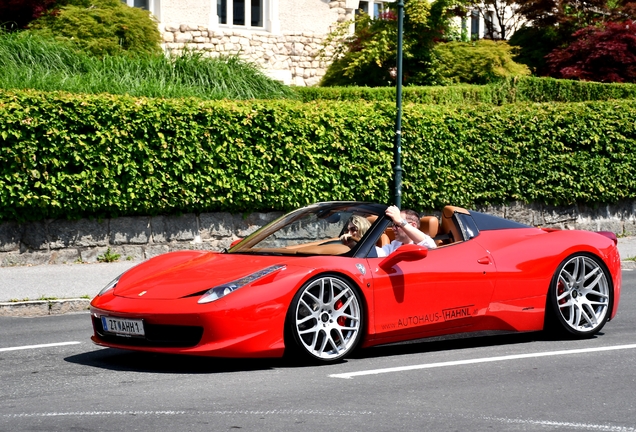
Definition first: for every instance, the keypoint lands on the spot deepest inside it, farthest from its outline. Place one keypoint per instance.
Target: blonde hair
(361, 223)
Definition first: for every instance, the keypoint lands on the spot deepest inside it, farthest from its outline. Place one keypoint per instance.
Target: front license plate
(122, 326)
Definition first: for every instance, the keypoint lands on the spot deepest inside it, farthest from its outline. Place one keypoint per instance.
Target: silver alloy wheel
(327, 317)
(582, 294)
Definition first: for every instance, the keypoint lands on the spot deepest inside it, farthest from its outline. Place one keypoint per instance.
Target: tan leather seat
(384, 238)
(449, 228)
(429, 225)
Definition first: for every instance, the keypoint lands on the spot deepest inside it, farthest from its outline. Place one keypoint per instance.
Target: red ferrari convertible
(293, 287)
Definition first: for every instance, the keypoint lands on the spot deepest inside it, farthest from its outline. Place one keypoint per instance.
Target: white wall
(306, 15)
(198, 12)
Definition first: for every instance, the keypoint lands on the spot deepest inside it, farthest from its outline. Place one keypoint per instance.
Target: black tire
(325, 320)
(580, 297)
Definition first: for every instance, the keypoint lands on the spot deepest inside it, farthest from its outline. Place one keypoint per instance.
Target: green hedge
(64, 155)
(511, 90)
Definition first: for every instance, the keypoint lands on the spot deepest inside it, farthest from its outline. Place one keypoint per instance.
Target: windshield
(314, 230)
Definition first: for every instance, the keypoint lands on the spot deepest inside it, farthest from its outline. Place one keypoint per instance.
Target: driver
(357, 226)
(406, 225)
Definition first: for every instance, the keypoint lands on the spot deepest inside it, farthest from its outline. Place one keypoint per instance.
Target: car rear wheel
(325, 319)
(581, 295)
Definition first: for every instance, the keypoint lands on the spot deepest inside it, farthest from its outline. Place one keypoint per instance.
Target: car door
(447, 291)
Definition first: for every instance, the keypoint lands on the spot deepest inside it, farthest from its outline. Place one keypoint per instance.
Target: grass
(26, 299)
(108, 256)
(30, 61)
(630, 259)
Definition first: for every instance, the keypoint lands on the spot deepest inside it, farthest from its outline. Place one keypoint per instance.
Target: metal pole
(397, 157)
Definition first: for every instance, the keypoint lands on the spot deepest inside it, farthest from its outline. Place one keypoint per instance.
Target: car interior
(445, 233)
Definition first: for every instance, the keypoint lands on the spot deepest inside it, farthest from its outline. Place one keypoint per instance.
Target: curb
(43, 307)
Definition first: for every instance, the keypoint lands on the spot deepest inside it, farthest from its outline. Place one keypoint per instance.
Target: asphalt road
(520, 382)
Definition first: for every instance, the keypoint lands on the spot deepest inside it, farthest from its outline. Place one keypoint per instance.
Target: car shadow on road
(452, 343)
(121, 360)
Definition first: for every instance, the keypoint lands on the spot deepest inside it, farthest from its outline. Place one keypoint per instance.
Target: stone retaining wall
(292, 58)
(139, 238)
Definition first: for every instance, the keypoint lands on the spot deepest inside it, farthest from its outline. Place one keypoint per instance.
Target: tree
(501, 17)
(479, 62)
(101, 27)
(17, 14)
(368, 57)
(605, 53)
(553, 25)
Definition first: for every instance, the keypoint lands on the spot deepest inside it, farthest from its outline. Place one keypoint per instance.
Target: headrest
(429, 225)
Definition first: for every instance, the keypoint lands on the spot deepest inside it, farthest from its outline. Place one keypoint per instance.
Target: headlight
(112, 284)
(223, 290)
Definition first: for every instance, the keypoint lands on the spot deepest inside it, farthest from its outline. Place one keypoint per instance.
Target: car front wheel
(325, 319)
(581, 295)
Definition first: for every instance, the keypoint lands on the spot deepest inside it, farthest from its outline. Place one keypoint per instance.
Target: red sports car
(294, 287)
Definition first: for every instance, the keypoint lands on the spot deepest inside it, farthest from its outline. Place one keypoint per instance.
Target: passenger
(406, 225)
(357, 226)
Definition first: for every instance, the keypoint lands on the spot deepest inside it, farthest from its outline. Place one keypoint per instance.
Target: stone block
(520, 212)
(10, 259)
(558, 216)
(182, 38)
(90, 255)
(24, 309)
(613, 225)
(35, 236)
(174, 228)
(130, 253)
(130, 230)
(57, 307)
(154, 250)
(629, 228)
(245, 226)
(79, 233)
(64, 256)
(215, 225)
(10, 234)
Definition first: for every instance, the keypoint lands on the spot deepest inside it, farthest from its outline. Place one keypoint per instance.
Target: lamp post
(397, 148)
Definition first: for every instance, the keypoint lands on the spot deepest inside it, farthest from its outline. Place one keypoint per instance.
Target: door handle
(484, 260)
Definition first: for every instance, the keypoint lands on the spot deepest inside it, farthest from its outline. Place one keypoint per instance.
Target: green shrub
(479, 62)
(64, 155)
(103, 27)
(510, 90)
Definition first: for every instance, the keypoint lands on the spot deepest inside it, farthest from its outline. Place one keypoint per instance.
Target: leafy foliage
(17, 14)
(509, 90)
(606, 53)
(479, 62)
(369, 56)
(501, 17)
(64, 155)
(556, 24)
(533, 44)
(103, 27)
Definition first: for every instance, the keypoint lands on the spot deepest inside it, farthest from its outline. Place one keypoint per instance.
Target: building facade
(284, 38)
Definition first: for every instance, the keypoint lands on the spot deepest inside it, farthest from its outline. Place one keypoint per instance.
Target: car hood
(180, 274)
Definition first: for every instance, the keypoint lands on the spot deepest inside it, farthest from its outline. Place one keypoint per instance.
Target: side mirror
(408, 252)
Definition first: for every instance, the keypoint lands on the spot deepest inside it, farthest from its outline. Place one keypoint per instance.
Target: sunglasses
(396, 226)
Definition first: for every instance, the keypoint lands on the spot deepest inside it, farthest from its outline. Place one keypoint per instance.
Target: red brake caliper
(341, 320)
(561, 290)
